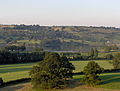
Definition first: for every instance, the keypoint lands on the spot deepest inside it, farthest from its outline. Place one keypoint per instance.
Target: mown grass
(109, 80)
(15, 71)
(79, 65)
(18, 71)
(10, 76)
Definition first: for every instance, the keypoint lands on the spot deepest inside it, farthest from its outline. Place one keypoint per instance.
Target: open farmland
(18, 71)
(110, 82)
(15, 71)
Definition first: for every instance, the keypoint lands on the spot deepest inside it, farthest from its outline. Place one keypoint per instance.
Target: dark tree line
(7, 57)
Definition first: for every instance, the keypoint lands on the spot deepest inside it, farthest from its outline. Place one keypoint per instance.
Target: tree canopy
(91, 71)
(52, 72)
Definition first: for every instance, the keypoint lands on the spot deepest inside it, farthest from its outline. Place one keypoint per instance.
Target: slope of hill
(59, 38)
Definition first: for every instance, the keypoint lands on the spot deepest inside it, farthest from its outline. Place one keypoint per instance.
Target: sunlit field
(19, 71)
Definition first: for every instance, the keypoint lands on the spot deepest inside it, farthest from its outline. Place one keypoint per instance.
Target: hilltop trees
(51, 72)
(91, 71)
(93, 53)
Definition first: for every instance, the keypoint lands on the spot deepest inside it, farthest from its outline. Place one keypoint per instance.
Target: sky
(61, 12)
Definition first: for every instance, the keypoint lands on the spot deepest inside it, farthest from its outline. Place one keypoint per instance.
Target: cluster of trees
(63, 33)
(7, 57)
(54, 71)
(93, 54)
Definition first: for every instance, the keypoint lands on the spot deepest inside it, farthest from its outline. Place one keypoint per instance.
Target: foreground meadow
(19, 71)
(110, 82)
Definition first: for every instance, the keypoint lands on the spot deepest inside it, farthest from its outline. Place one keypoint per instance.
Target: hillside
(59, 38)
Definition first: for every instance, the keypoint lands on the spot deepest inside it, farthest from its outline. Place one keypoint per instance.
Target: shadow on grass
(14, 70)
(11, 88)
(110, 78)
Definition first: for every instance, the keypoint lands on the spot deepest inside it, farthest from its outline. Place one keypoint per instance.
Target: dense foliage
(91, 71)
(116, 61)
(7, 57)
(52, 72)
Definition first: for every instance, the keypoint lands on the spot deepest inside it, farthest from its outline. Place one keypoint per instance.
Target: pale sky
(61, 12)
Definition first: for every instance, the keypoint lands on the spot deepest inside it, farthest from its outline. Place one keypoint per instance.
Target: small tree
(51, 72)
(91, 54)
(95, 53)
(109, 56)
(91, 71)
(116, 61)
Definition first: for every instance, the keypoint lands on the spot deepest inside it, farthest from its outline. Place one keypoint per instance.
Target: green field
(15, 71)
(79, 65)
(18, 71)
(109, 80)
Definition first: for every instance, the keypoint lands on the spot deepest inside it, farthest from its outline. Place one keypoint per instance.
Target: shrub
(109, 56)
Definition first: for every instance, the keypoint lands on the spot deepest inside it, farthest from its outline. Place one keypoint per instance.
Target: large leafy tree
(91, 71)
(51, 72)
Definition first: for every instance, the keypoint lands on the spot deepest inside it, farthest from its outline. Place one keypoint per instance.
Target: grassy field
(18, 71)
(79, 65)
(15, 71)
(109, 80)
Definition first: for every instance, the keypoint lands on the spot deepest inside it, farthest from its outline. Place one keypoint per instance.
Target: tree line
(7, 57)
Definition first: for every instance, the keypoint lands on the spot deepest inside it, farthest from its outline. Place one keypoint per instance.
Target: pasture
(18, 71)
(109, 80)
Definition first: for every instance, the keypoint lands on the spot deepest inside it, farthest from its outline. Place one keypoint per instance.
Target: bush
(91, 71)
(52, 72)
(109, 56)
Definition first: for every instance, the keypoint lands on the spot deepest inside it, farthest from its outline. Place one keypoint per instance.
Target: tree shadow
(11, 88)
(74, 83)
(110, 78)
